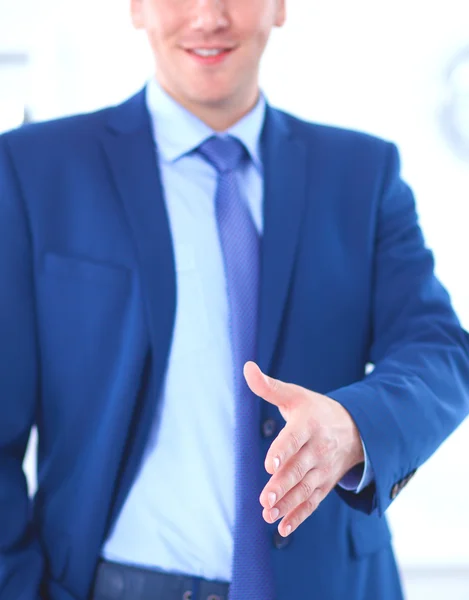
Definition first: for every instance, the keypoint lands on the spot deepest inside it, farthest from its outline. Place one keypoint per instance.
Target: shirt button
(269, 428)
(281, 542)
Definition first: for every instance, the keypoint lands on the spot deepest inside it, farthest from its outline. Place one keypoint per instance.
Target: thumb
(272, 390)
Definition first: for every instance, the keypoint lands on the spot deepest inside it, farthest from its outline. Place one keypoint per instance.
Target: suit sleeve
(21, 561)
(417, 393)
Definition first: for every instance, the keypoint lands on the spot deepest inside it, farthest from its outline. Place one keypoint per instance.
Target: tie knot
(223, 153)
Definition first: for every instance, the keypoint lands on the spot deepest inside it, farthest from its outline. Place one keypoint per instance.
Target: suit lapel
(130, 150)
(285, 172)
(129, 147)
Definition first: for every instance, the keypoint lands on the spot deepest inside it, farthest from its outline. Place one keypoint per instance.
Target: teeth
(207, 52)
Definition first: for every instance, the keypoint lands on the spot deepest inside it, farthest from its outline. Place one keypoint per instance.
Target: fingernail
(276, 463)
(274, 513)
(272, 499)
(288, 530)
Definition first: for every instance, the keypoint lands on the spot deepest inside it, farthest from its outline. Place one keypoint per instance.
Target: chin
(214, 97)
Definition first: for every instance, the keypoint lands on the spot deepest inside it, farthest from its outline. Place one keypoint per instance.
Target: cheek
(257, 43)
(253, 25)
(161, 25)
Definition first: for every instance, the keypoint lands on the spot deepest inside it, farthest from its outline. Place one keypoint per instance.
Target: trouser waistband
(115, 581)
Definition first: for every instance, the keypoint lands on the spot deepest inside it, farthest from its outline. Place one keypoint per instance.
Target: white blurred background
(397, 69)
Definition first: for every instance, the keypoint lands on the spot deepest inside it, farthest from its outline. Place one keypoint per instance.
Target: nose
(210, 15)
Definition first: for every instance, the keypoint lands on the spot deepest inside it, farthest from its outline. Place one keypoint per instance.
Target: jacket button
(395, 491)
(269, 427)
(113, 582)
(281, 542)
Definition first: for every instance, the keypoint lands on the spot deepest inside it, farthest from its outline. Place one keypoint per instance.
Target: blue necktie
(252, 573)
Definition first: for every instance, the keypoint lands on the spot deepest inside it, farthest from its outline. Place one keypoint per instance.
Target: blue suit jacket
(87, 304)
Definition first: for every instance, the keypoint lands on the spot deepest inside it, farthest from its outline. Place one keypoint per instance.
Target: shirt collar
(178, 132)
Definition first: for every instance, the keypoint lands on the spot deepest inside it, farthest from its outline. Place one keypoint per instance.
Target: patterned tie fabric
(252, 573)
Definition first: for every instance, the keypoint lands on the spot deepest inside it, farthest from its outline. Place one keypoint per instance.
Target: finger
(289, 476)
(295, 497)
(297, 516)
(287, 444)
(272, 390)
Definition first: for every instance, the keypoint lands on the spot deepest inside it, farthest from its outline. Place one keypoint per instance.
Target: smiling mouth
(209, 51)
(209, 56)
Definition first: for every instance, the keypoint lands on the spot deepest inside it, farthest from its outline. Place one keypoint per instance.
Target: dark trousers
(120, 582)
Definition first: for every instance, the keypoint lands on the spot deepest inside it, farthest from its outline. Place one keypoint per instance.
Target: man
(158, 260)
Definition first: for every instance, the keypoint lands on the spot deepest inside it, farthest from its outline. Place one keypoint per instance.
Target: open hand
(319, 444)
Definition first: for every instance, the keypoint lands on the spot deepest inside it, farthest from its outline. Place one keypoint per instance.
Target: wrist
(354, 451)
(357, 454)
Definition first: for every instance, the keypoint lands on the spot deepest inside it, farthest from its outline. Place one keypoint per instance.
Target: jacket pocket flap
(368, 534)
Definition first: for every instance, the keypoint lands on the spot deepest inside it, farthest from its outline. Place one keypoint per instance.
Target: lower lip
(210, 60)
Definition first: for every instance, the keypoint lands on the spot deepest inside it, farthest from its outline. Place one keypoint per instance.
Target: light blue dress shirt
(179, 514)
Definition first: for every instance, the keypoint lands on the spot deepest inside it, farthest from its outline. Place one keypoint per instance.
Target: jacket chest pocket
(67, 268)
(83, 313)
